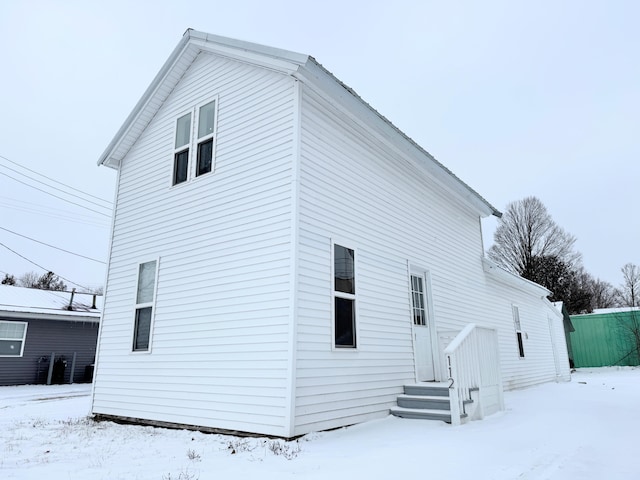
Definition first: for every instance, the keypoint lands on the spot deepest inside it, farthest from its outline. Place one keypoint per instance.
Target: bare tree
(603, 294)
(8, 279)
(526, 234)
(628, 295)
(47, 281)
(28, 279)
(629, 292)
(97, 290)
(571, 285)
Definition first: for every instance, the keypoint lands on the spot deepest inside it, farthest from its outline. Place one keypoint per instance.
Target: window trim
(192, 147)
(139, 306)
(347, 296)
(22, 342)
(517, 325)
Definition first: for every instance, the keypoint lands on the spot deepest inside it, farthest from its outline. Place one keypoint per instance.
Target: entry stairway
(426, 401)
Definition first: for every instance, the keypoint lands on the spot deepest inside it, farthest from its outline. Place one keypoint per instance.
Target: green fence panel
(606, 339)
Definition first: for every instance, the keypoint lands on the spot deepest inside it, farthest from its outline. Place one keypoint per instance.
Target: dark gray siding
(47, 336)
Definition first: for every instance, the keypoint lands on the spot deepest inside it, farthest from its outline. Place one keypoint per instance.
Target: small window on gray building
(12, 337)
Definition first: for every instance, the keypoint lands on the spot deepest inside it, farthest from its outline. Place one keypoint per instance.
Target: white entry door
(421, 328)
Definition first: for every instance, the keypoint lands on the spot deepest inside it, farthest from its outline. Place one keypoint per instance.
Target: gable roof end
(296, 64)
(191, 44)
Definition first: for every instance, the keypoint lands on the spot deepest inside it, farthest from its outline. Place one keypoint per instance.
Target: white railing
(473, 366)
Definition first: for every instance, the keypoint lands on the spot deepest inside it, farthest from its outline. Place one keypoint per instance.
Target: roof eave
(106, 158)
(513, 279)
(66, 317)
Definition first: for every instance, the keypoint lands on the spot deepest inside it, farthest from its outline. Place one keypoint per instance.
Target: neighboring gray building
(34, 324)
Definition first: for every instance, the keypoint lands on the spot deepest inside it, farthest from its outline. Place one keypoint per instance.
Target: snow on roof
(20, 301)
(600, 311)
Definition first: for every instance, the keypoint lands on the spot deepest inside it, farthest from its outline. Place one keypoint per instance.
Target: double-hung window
(145, 298)
(12, 337)
(181, 151)
(518, 327)
(344, 297)
(206, 123)
(195, 142)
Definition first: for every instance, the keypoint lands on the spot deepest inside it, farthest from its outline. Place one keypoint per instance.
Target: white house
(283, 259)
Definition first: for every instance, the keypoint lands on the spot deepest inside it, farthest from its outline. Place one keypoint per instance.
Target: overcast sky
(516, 98)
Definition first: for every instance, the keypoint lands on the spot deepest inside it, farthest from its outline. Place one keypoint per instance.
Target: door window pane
(417, 296)
(345, 324)
(206, 119)
(343, 270)
(183, 130)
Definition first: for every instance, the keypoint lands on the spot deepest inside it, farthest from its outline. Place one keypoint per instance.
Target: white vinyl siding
(398, 215)
(244, 308)
(220, 334)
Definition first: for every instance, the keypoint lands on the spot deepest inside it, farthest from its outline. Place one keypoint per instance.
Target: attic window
(181, 153)
(206, 122)
(198, 139)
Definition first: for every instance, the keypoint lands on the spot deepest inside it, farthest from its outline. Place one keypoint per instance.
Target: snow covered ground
(586, 429)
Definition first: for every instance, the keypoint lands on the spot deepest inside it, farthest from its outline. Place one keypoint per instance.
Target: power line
(55, 188)
(65, 215)
(51, 246)
(60, 198)
(53, 180)
(41, 267)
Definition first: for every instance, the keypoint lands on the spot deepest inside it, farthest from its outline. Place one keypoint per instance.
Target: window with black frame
(195, 134)
(344, 297)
